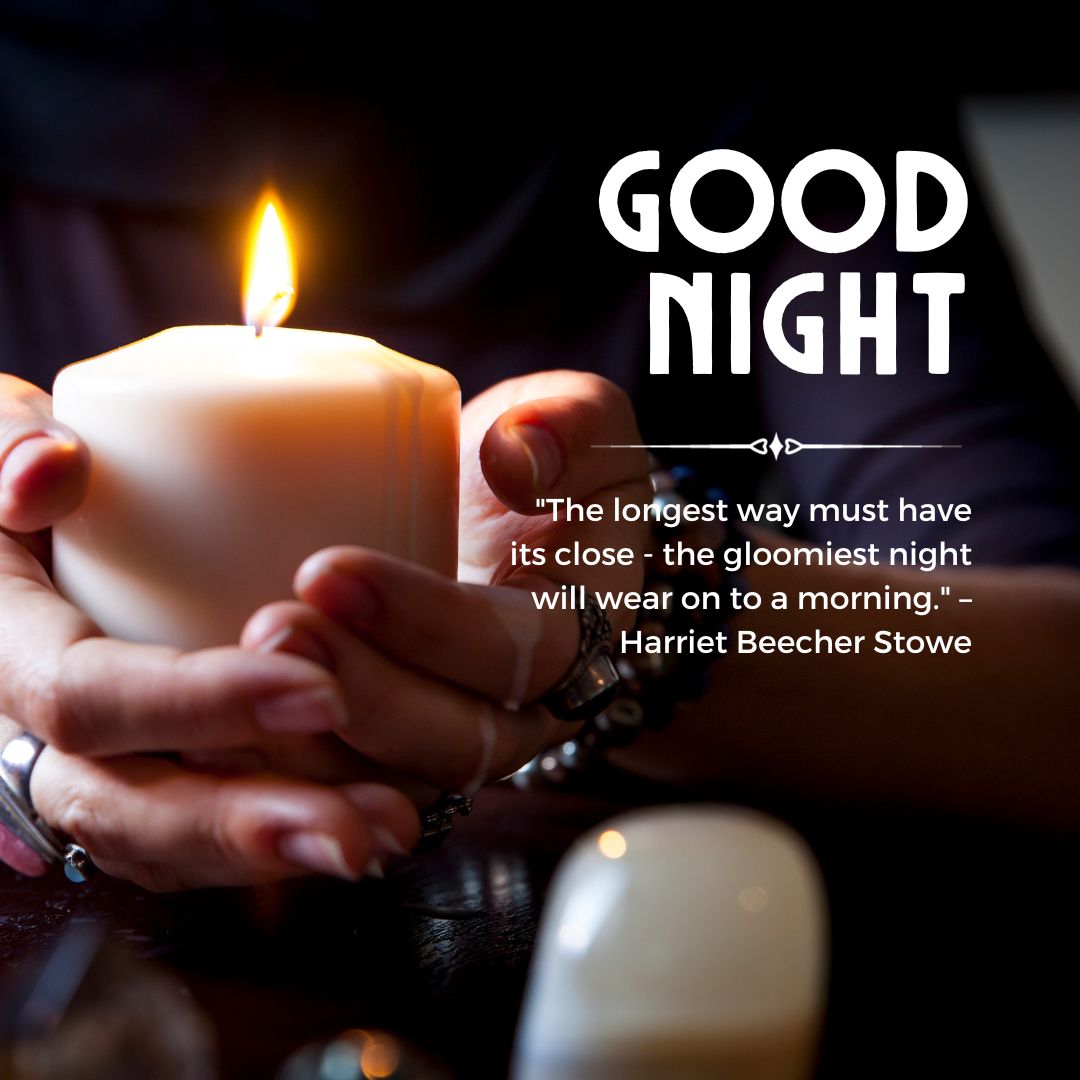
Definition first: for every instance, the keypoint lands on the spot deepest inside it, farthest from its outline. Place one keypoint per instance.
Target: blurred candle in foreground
(687, 943)
(222, 456)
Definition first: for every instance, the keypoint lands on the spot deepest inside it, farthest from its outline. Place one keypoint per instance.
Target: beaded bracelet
(651, 684)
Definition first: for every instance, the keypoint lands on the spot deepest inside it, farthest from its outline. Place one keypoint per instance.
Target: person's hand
(439, 675)
(96, 702)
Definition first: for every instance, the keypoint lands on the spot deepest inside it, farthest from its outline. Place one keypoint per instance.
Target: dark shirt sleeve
(1001, 400)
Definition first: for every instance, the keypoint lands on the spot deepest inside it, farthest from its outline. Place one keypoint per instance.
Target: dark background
(450, 211)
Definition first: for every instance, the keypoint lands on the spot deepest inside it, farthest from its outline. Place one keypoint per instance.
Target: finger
(405, 720)
(571, 445)
(18, 855)
(88, 694)
(166, 827)
(113, 697)
(390, 815)
(320, 759)
(494, 641)
(44, 467)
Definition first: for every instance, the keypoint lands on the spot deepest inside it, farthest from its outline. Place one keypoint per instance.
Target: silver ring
(17, 814)
(17, 761)
(592, 681)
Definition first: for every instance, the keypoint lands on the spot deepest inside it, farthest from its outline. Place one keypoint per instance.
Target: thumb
(44, 467)
(573, 445)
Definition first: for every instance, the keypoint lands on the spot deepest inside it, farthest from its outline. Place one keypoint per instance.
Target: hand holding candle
(147, 818)
(438, 675)
(446, 657)
(132, 554)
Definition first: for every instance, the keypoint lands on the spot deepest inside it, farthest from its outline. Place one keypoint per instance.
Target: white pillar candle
(220, 460)
(682, 942)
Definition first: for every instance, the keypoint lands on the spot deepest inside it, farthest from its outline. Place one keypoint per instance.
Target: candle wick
(267, 309)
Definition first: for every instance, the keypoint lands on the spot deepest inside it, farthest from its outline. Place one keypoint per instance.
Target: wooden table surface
(949, 942)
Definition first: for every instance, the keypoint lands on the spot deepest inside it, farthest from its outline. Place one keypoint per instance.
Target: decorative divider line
(789, 446)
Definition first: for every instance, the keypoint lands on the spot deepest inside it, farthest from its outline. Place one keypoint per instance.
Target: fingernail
(316, 851)
(302, 711)
(297, 642)
(22, 455)
(354, 598)
(375, 868)
(385, 842)
(19, 855)
(545, 456)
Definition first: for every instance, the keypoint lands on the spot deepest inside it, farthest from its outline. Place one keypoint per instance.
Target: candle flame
(270, 274)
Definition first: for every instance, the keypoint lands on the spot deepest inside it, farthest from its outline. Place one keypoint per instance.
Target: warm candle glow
(270, 275)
